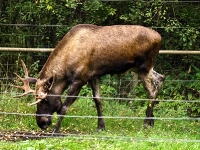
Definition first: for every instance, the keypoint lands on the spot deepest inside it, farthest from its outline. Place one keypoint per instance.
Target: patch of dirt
(23, 135)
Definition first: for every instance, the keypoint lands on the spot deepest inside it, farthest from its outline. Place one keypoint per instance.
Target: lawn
(124, 127)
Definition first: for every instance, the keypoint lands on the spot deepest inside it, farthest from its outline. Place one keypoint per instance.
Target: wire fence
(20, 134)
(96, 117)
(174, 52)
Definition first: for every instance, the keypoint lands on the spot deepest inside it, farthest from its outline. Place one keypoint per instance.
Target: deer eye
(45, 102)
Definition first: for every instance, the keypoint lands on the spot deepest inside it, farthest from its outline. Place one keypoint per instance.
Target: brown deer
(86, 53)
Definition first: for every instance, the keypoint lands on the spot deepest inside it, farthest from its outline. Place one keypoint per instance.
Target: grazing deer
(86, 53)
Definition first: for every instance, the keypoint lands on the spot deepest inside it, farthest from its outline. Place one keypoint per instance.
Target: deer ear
(51, 82)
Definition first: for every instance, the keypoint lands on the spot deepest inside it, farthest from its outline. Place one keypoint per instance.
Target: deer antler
(26, 87)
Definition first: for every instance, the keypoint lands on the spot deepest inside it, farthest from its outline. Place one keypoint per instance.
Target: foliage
(42, 23)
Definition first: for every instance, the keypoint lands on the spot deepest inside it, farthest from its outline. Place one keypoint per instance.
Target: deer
(86, 53)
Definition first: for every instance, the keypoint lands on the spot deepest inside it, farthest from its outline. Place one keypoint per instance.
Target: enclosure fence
(174, 52)
(32, 134)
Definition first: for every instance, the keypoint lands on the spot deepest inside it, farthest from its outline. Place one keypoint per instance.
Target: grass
(67, 144)
(120, 133)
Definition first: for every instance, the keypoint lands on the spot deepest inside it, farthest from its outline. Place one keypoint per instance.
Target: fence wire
(96, 117)
(33, 135)
(8, 135)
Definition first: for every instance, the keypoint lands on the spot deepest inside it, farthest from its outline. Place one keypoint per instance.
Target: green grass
(74, 144)
(120, 133)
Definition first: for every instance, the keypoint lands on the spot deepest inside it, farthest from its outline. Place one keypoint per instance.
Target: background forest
(42, 23)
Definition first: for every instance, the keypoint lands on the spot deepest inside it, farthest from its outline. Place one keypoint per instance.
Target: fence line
(29, 135)
(105, 137)
(96, 117)
(138, 80)
(97, 137)
(121, 99)
(56, 25)
(173, 52)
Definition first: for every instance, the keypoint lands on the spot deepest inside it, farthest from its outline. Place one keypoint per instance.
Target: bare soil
(23, 135)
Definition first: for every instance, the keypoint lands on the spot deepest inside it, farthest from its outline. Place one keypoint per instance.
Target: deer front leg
(72, 95)
(152, 82)
(149, 120)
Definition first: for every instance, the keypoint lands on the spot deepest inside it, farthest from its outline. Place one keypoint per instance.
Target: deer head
(47, 102)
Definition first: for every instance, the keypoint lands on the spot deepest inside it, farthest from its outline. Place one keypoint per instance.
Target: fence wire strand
(116, 98)
(99, 137)
(96, 117)
(30, 135)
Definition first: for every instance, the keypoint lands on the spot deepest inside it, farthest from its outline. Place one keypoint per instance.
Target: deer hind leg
(95, 84)
(152, 83)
